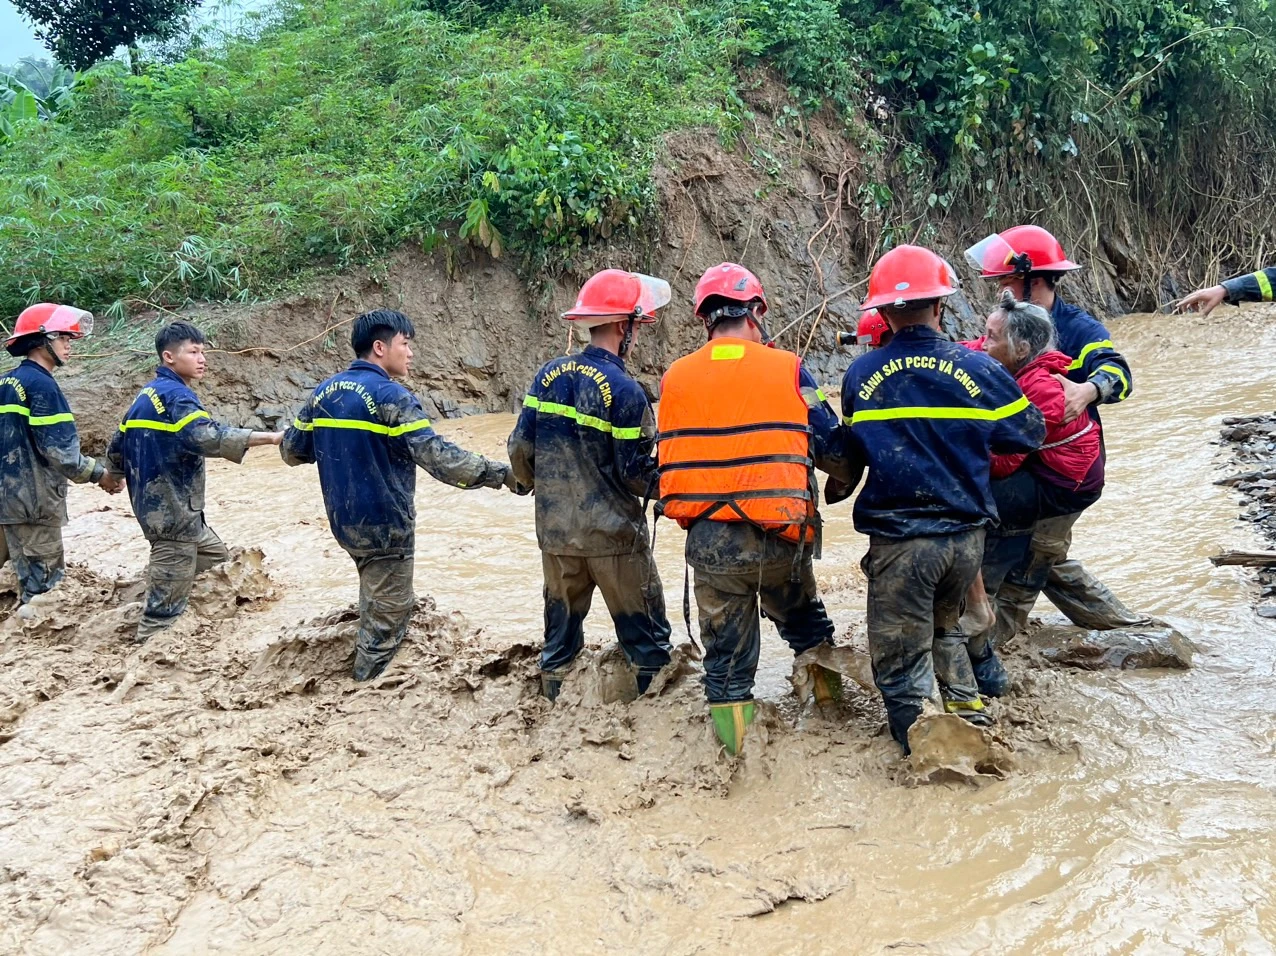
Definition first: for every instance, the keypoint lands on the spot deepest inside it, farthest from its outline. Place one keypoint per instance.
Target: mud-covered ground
(228, 788)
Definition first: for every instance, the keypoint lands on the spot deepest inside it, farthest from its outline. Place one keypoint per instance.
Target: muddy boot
(1087, 601)
(645, 677)
(551, 684)
(730, 721)
(367, 666)
(991, 677)
(971, 711)
(826, 685)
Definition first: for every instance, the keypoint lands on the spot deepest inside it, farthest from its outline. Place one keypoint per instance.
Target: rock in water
(1123, 648)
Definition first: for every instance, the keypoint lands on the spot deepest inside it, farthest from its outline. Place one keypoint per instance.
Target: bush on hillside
(336, 129)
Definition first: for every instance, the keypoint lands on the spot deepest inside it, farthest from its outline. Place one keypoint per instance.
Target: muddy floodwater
(228, 789)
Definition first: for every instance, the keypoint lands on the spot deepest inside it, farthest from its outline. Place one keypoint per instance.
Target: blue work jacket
(1086, 341)
(367, 433)
(160, 449)
(39, 448)
(925, 415)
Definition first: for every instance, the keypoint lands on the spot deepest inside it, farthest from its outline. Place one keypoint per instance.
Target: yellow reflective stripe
(957, 706)
(359, 424)
(37, 419)
(941, 411)
(1264, 285)
(301, 426)
(721, 352)
(1119, 373)
(162, 426)
(819, 393)
(1080, 359)
(589, 421)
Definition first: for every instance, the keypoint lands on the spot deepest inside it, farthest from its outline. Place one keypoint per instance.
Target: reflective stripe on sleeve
(162, 426)
(1080, 359)
(589, 421)
(25, 412)
(1264, 285)
(939, 411)
(1119, 373)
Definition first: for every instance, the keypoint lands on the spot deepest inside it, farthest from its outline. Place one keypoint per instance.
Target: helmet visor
(68, 320)
(655, 294)
(992, 256)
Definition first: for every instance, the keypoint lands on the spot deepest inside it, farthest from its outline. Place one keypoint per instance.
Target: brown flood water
(163, 801)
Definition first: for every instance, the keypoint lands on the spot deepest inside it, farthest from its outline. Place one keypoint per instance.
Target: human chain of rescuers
(972, 460)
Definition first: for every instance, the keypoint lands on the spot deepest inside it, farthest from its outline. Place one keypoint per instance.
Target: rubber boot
(827, 685)
(990, 676)
(730, 721)
(969, 710)
(551, 684)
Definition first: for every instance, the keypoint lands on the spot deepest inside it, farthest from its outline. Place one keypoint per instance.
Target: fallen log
(1244, 559)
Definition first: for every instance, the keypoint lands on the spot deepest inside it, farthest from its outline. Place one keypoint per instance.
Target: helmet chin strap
(49, 339)
(628, 340)
(756, 322)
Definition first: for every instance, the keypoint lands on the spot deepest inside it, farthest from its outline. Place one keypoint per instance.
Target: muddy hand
(512, 484)
(1076, 398)
(1203, 301)
(111, 484)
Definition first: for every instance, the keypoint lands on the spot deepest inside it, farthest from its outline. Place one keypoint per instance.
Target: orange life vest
(734, 439)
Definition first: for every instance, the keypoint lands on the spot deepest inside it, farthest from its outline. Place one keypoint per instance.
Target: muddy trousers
(1071, 588)
(630, 586)
(36, 554)
(386, 601)
(171, 575)
(731, 629)
(1003, 552)
(915, 592)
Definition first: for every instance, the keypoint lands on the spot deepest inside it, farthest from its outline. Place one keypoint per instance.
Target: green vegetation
(333, 130)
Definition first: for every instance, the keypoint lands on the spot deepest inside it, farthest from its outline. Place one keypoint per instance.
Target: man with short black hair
(367, 433)
(160, 449)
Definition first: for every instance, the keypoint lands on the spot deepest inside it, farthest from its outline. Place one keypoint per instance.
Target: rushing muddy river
(177, 800)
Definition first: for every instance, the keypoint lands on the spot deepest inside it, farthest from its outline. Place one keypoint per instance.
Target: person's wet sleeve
(521, 448)
(1017, 424)
(53, 430)
(115, 454)
(828, 441)
(1105, 368)
(633, 433)
(1255, 287)
(203, 435)
(441, 459)
(298, 446)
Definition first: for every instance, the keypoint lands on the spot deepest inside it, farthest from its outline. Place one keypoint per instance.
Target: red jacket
(1076, 445)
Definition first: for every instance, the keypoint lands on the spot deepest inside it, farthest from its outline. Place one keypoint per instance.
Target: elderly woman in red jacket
(1064, 476)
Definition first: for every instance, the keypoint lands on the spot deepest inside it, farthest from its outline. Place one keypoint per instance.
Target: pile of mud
(228, 784)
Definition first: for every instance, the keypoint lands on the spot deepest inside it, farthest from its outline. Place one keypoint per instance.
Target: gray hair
(1026, 325)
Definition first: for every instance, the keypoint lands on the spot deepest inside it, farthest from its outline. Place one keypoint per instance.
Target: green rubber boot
(827, 686)
(729, 722)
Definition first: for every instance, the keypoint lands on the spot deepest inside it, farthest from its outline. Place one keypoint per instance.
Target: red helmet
(1023, 250)
(909, 274)
(729, 281)
(871, 329)
(47, 318)
(614, 295)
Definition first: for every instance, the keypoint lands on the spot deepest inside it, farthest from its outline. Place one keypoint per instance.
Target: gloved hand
(510, 482)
